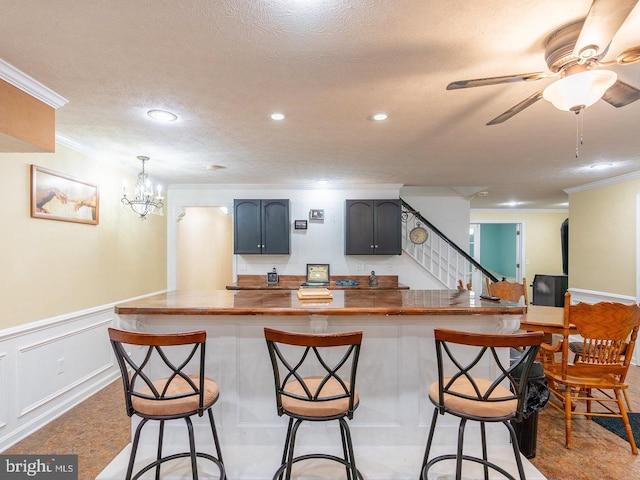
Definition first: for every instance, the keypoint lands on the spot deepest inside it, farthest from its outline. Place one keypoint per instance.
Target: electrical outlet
(60, 366)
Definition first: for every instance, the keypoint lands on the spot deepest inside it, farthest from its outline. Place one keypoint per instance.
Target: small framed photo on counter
(272, 277)
(300, 224)
(317, 272)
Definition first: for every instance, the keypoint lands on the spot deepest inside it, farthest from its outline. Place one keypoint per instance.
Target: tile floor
(98, 429)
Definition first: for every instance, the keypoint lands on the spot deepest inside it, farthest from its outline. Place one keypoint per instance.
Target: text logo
(49, 467)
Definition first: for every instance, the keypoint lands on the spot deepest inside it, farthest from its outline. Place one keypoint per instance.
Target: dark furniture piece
(261, 227)
(373, 227)
(183, 390)
(549, 290)
(326, 392)
(469, 397)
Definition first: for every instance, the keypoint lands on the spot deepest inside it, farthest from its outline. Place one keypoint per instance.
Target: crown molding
(603, 183)
(519, 210)
(67, 142)
(280, 186)
(24, 82)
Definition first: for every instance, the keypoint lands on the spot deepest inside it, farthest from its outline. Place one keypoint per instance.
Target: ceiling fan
(574, 53)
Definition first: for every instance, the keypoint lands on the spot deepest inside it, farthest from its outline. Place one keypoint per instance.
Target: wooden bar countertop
(344, 302)
(293, 282)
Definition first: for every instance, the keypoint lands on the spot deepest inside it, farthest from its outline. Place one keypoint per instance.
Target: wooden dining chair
(599, 374)
(577, 347)
(511, 291)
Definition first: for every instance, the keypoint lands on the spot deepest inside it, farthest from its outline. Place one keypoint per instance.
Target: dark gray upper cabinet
(373, 227)
(261, 226)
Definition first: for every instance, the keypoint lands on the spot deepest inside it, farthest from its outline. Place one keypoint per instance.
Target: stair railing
(441, 256)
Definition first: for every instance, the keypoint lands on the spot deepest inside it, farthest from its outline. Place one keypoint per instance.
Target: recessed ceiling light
(162, 115)
(379, 117)
(277, 116)
(601, 166)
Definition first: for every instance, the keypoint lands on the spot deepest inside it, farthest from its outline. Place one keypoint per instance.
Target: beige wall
(541, 240)
(602, 238)
(49, 268)
(205, 249)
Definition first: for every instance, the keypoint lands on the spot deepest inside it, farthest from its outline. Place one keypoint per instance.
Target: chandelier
(144, 201)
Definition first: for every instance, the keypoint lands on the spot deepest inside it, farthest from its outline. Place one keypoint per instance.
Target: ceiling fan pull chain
(579, 131)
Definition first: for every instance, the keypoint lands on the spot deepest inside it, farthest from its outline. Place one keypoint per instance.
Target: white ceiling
(224, 65)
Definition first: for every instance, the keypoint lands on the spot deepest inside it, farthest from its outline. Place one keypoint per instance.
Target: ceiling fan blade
(621, 94)
(517, 108)
(481, 82)
(602, 23)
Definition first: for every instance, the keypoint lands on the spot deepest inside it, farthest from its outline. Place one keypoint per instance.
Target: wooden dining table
(549, 320)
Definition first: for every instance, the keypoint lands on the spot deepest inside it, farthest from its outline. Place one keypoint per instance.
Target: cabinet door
(276, 231)
(387, 225)
(247, 235)
(359, 227)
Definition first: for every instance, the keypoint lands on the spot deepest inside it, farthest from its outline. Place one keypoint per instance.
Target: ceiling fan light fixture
(580, 90)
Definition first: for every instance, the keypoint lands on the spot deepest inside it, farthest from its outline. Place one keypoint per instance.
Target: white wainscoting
(49, 366)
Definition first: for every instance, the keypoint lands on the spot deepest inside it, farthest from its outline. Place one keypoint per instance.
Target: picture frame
(316, 214)
(318, 273)
(300, 224)
(57, 196)
(272, 278)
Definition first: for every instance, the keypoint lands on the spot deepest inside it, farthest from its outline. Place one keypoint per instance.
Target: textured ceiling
(223, 66)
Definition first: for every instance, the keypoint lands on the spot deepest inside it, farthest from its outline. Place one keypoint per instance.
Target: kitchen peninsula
(397, 364)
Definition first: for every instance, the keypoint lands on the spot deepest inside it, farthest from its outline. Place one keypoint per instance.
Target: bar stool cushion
(309, 408)
(478, 408)
(175, 406)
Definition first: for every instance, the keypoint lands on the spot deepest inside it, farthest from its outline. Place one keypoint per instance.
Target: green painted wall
(498, 248)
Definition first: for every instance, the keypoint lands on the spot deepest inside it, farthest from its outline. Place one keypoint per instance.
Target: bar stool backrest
(177, 358)
(322, 366)
(457, 365)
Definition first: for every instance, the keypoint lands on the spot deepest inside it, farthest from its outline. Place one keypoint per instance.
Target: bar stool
(469, 397)
(183, 391)
(322, 394)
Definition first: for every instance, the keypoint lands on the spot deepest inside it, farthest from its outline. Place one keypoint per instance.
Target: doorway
(204, 249)
(498, 248)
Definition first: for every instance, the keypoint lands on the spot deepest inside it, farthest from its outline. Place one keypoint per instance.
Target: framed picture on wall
(56, 196)
(316, 214)
(300, 224)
